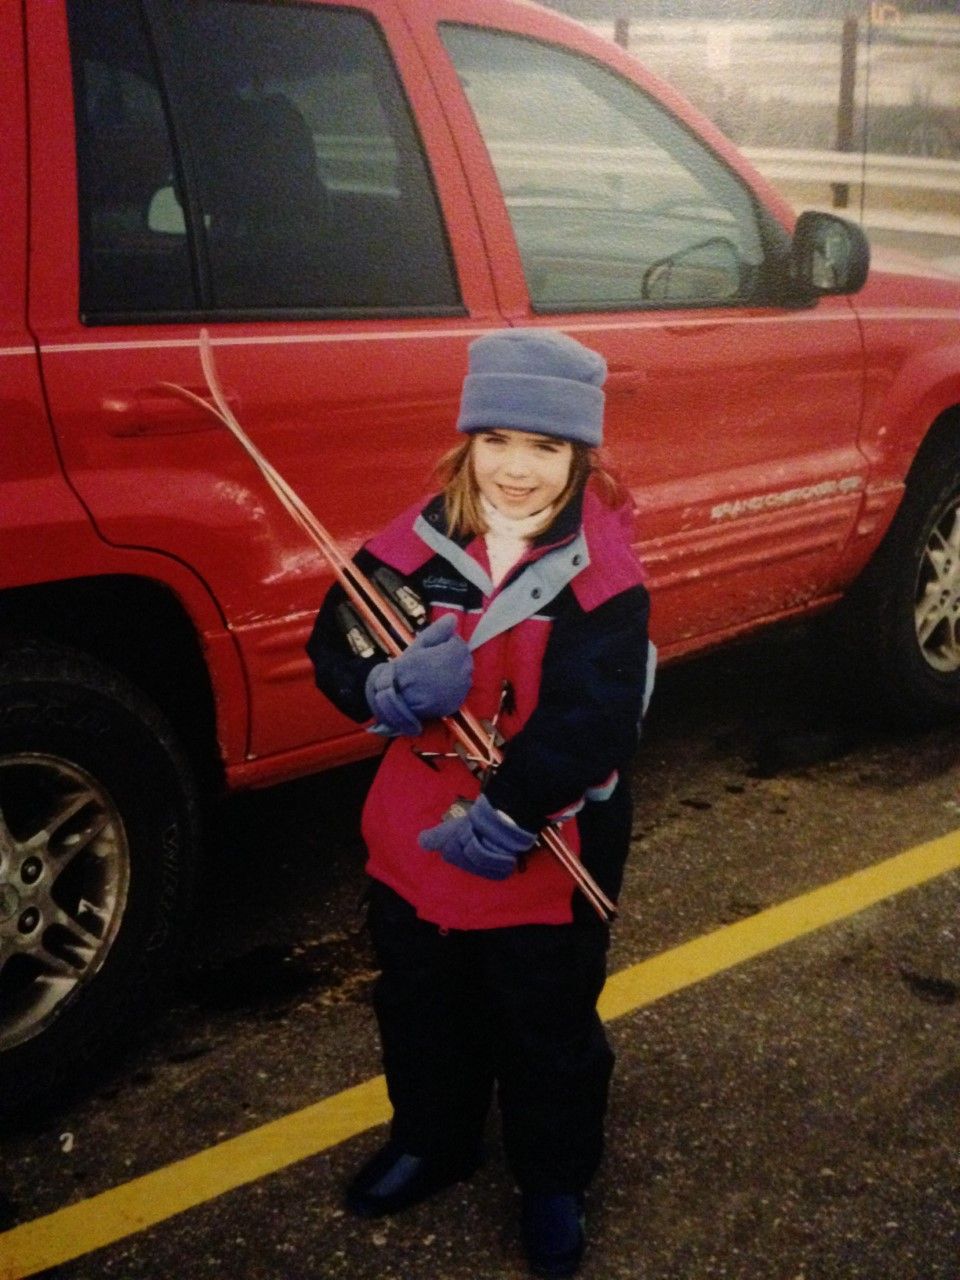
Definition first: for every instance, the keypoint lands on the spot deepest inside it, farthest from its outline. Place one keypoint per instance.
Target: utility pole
(845, 106)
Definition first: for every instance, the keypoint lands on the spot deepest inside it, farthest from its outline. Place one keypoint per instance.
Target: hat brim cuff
(556, 407)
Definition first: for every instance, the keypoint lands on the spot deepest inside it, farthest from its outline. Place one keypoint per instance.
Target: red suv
(345, 195)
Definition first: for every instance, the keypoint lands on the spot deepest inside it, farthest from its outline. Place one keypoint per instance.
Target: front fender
(48, 539)
(909, 314)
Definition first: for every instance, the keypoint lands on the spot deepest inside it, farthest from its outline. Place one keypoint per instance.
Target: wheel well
(137, 627)
(944, 430)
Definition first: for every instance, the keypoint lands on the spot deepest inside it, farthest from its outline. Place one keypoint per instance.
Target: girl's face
(518, 472)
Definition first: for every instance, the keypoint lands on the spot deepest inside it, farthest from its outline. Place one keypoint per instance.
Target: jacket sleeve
(586, 721)
(340, 673)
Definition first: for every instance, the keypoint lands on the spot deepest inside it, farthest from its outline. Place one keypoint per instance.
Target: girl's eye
(547, 446)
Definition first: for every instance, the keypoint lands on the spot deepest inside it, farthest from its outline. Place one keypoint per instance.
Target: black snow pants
(515, 1008)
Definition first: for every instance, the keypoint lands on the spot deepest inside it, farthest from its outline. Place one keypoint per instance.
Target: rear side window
(287, 175)
(614, 203)
(124, 159)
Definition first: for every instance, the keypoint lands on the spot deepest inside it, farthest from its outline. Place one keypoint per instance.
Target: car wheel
(905, 616)
(98, 837)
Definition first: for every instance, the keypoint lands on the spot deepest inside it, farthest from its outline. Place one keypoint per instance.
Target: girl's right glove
(483, 841)
(429, 679)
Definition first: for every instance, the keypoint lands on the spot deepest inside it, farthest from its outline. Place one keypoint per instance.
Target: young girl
(492, 960)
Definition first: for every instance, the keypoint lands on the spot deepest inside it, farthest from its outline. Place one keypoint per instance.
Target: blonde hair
(461, 494)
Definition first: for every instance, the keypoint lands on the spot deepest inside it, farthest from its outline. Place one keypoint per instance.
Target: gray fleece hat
(536, 380)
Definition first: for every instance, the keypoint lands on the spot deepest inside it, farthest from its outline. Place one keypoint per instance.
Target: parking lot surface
(784, 1007)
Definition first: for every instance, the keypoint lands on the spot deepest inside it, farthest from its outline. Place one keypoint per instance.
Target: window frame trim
(154, 21)
(771, 287)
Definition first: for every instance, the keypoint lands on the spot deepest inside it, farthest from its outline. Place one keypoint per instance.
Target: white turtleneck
(507, 538)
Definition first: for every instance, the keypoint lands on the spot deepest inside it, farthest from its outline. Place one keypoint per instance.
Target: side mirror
(829, 255)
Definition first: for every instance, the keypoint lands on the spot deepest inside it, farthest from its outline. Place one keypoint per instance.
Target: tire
(902, 619)
(98, 845)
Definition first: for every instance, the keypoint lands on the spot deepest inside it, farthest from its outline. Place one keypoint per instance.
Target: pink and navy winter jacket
(567, 627)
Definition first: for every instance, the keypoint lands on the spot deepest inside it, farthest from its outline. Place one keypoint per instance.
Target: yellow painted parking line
(133, 1206)
(143, 1202)
(694, 961)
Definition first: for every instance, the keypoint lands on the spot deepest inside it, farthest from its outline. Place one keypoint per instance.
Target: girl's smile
(518, 472)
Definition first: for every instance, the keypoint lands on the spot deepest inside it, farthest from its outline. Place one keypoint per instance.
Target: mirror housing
(829, 255)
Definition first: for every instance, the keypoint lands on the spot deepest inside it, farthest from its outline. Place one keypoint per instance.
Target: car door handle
(156, 411)
(625, 380)
(695, 328)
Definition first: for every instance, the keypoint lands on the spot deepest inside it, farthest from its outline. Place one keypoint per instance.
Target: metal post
(845, 108)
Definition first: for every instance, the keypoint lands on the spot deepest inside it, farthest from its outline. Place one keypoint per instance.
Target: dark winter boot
(553, 1236)
(393, 1180)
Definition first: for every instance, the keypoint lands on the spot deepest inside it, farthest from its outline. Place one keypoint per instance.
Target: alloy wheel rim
(64, 881)
(937, 597)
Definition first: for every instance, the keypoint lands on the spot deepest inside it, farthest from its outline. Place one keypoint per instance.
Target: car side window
(296, 183)
(124, 158)
(614, 203)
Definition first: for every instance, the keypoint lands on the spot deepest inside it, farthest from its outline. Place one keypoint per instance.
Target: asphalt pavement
(785, 1115)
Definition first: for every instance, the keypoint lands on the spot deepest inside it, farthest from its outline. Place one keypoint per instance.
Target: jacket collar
(553, 561)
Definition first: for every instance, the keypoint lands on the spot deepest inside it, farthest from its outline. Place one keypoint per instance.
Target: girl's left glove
(484, 841)
(431, 678)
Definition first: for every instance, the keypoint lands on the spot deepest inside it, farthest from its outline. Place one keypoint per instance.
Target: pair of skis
(384, 621)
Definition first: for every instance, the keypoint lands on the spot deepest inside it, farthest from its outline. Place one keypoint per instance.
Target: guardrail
(854, 167)
(546, 172)
(905, 193)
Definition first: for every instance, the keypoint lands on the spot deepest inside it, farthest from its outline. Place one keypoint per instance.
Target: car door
(281, 175)
(626, 221)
